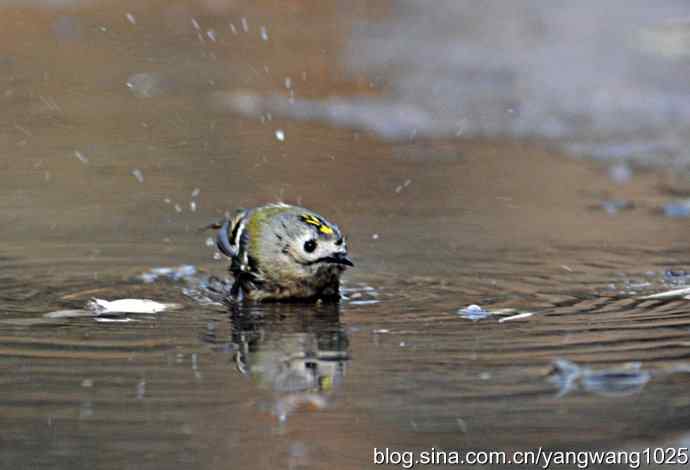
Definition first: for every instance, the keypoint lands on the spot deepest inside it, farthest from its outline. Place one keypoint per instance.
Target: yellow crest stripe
(313, 220)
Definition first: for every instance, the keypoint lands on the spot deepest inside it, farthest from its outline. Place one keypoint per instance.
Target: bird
(281, 252)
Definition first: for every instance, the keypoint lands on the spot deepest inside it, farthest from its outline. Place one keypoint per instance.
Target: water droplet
(620, 173)
(264, 33)
(131, 18)
(245, 24)
(82, 158)
(280, 135)
(144, 85)
(138, 174)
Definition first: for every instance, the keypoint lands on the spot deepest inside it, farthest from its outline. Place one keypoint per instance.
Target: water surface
(107, 173)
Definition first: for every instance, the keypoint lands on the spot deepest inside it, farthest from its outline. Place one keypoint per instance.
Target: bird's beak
(340, 258)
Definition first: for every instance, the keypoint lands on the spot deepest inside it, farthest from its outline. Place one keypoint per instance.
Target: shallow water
(102, 181)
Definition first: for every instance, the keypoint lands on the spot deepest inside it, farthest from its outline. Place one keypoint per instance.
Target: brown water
(96, 188)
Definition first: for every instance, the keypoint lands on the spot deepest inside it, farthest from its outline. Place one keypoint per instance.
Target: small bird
(281, 252)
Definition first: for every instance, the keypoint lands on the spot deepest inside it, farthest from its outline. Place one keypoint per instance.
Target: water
(434, 225)
(539, 69)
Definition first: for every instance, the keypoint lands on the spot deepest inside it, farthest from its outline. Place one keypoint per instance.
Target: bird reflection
(298, 352)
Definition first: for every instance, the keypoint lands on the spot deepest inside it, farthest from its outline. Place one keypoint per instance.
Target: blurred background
(528, 157)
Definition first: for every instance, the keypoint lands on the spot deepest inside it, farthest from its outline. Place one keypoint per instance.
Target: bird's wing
(229, 232)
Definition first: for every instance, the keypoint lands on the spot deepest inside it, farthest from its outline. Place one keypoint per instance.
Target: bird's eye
(310, 246)
(339, 242)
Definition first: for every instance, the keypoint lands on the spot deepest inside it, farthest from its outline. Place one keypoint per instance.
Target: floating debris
(192, 206)
(677, 209)
(670, 273)
(68, 314)
(361, 294)
(280, 135)
(114, 320)
(613, 206)
(131, 18)
(196, 192)
(683, 293)
(170, 273)
(473, 312)
(375, 236)
(626, 380)
(519, 316)
(103, 310)
(264, 33)
(364, 302)
(245, 24)
(104, 307)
